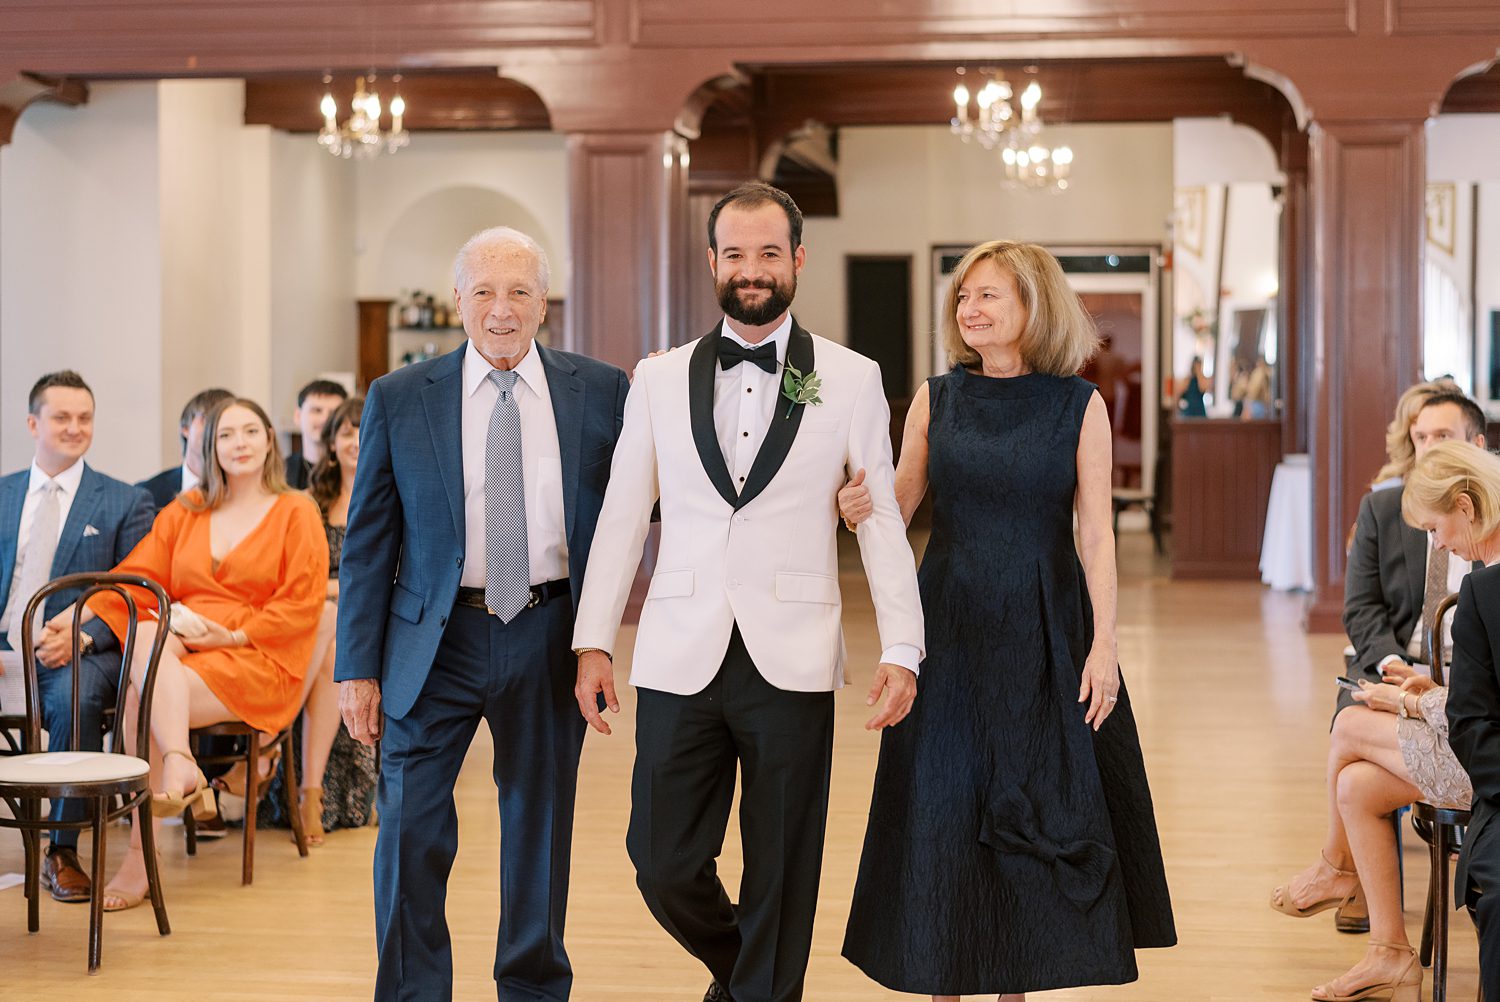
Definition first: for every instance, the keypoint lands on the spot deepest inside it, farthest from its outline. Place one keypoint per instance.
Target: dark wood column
(627, 204)
(1294, 305)
(1367, 180)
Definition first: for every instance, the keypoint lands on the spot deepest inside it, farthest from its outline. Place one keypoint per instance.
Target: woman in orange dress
(248, 557)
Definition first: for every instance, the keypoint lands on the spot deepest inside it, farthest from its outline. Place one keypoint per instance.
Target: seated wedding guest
(245, 561)
(172, 481)
(1396, 575)
(59, 517)
(338, 773)
(1386, 585)
(1474, 717)
(315, 402)
(1394, 749)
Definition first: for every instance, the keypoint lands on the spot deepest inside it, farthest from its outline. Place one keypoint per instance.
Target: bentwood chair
(1442, 828)
(113, 783)
(251, 756)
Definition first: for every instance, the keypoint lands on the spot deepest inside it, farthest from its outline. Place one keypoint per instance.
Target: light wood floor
(1232, 701)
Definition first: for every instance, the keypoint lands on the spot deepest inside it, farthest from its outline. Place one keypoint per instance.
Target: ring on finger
(1112, 699)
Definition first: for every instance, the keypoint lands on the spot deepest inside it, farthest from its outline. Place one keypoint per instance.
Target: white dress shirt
(546, 534)
(189, 479)
(68, 482)
(744, 401)
(745, 404)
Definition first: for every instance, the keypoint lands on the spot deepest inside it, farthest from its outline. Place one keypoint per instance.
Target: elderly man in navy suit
(481, 475)
(63, 517)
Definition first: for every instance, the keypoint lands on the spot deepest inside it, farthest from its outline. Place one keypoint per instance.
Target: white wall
(81, 272)
(1219, 151)
(313, 322)
(215, 328)
(1223, 173)
(906, 189)
(418, 207)
(160, 247)
(1465, 150)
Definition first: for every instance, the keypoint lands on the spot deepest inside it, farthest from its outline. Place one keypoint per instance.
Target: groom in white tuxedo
(744, 438)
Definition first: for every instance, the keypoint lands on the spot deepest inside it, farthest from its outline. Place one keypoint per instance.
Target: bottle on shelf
(440, 315)
(426, 311)
(411, 314)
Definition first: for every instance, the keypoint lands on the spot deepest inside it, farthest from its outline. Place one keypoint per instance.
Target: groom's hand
(596, 674)
(900, 685)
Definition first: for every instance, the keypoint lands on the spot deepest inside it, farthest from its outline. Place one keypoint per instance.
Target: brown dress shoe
(63, 876)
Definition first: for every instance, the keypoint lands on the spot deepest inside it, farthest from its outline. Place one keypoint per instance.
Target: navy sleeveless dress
(1010, 848)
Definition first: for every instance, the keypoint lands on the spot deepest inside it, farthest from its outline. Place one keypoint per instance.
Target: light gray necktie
(36, 562)
(507, 564)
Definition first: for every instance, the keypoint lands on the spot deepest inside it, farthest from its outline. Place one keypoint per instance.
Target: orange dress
(272, 585)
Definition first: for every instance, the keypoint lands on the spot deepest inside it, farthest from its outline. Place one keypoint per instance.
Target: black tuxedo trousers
(688, 749)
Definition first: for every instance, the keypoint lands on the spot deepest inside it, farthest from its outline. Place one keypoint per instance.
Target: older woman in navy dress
(1012, 806)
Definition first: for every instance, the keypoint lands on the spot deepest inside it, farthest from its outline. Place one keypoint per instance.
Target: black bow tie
(732, 353)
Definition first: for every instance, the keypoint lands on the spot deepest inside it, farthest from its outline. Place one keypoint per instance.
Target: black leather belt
(541, 594)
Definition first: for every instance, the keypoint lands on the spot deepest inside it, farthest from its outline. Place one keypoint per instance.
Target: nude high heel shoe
(1405, 987)
(312, 815)
(201, 799)
(1281, 898)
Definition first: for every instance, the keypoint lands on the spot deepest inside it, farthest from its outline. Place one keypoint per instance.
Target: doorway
(877, 291)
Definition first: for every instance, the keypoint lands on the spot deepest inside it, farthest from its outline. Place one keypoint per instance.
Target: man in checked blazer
(99, 520)
(481, 474)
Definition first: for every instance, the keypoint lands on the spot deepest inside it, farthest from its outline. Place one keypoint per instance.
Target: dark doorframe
(877, 314)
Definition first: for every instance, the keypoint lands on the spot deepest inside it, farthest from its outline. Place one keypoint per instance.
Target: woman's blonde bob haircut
(1399, 452)
(1059, 337)
(215, 488)
(1446, 472)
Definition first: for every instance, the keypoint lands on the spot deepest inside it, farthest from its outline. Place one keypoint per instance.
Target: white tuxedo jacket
(763, 557)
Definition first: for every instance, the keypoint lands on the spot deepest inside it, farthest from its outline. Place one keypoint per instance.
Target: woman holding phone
(1393, 749)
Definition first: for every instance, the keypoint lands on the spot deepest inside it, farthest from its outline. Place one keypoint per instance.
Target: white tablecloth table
(1286, 548)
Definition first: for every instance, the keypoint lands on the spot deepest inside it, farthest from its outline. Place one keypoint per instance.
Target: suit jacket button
(443, 621)
(460, 561)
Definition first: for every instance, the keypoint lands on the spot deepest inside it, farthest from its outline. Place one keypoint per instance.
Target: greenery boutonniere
(799, 388)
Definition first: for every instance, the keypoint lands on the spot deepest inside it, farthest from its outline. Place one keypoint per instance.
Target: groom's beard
(773, 306)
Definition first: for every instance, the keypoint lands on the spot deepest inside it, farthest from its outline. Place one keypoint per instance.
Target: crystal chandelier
(996, 124)
(360, 136)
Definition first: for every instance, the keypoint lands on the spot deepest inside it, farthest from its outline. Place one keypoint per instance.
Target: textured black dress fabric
(1010, 848)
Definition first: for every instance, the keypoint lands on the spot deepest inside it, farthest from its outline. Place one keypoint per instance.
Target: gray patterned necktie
(507, 564)
(36, 563)
(1433, 592)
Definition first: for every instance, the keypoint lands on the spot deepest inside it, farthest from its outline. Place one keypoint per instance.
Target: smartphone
(1345, 682)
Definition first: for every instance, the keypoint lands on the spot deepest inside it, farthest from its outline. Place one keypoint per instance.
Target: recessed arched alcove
(416, 250)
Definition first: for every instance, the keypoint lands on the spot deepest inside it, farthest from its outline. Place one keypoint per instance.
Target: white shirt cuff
(1388, 659)
(905, 655)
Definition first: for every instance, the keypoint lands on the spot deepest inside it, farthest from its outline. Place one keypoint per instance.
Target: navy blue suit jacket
(404, 548)
(163, 487)
(107, 519)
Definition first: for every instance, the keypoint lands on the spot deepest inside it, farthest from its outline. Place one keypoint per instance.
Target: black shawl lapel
(783, 430)
(701, 410)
